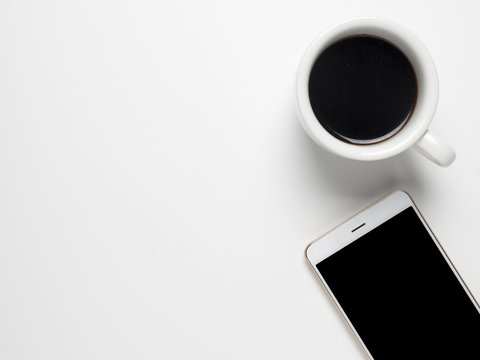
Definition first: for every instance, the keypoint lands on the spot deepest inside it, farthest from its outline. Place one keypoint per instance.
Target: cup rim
(427, 81)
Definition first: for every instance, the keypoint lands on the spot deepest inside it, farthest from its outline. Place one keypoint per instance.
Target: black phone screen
(401, 296)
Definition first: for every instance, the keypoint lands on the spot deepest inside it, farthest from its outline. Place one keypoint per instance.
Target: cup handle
(435, 149)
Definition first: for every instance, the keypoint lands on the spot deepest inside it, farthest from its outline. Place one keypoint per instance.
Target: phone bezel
(371, 217)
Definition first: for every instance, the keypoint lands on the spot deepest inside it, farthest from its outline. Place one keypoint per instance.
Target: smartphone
(395, 286)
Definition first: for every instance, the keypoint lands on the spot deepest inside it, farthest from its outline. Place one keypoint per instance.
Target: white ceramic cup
(415, 133)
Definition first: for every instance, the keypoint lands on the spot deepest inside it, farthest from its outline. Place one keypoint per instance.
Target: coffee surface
(362, 89)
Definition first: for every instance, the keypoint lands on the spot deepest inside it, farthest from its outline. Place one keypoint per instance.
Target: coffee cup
(335, 105)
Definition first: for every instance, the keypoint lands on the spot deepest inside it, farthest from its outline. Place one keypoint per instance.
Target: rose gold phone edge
(324, 286)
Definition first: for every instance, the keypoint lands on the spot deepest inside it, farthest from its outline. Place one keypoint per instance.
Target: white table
(157, 191)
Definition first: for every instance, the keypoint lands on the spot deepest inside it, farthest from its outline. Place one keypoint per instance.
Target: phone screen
(401, 296)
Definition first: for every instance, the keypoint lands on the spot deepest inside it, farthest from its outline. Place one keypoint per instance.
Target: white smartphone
(395, 286)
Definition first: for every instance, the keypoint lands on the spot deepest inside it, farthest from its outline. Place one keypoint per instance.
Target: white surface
(157, 191)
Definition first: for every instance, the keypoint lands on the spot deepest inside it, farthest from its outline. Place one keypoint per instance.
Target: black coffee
(362, 89)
